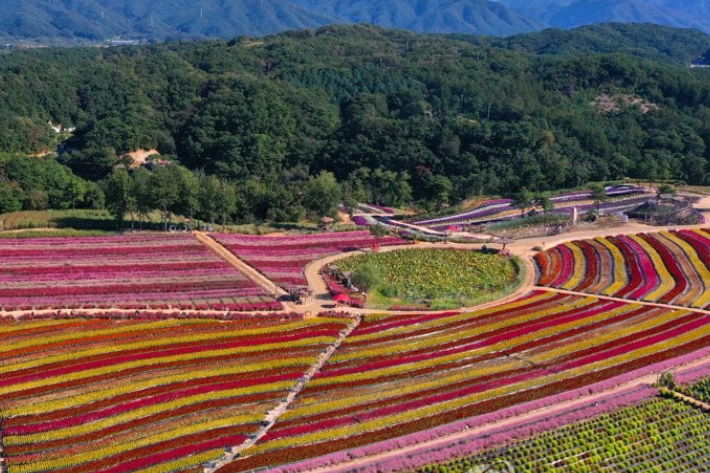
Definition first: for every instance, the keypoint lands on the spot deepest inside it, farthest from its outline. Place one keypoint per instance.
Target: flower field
(657, 435)
(128, 272)
(283, 259)
(397, 375)
(151, 396)
(667, 267)
(620, 198)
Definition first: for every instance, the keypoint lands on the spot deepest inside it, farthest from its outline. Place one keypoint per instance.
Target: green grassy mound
(433, 278)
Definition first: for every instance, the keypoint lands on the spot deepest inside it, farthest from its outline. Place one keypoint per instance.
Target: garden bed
(435, 278)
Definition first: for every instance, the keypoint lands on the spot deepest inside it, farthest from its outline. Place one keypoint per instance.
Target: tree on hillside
(322, 195)
(523, 200)
(599, 195)
(120, 197)
(165, 192)
(546, 203)
(143, 194)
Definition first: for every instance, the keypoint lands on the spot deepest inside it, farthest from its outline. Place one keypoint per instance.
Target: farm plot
(655, 435)
(397, 375)
(128, 272)
(619, 198)
(283, 259)
(667, 267)
(159, 396)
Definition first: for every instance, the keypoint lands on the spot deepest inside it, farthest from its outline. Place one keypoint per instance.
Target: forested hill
(378, 108)
(655, 42)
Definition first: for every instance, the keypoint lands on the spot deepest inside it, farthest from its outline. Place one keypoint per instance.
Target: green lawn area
(436, 278)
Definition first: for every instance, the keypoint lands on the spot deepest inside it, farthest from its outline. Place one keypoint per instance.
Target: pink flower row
(379, 448)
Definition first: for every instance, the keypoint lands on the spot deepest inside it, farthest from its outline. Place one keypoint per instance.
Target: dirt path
(618, 299)
(275, 414)
(251, 273)
(322, 300)
(693, 401)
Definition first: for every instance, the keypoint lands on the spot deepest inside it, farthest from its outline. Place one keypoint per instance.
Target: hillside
(658, 43)
(396, 117)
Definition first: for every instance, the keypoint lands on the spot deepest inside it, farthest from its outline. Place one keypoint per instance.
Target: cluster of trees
(393, 117)
(32, 183)
(175, 190)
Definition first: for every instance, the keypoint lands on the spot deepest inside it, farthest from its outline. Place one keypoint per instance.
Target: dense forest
(394, 117)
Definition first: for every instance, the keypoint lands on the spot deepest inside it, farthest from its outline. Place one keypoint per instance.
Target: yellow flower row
(433, 323)
(79, 399)
(667, 282)
(430, 341)
(305, 409)
(160, 360)
(376, 424)
(579, 267)
(620, 279)
(97, 454)
(702, 295)
(148, 342)
(460, 356)
(184, 463)
(146, 411)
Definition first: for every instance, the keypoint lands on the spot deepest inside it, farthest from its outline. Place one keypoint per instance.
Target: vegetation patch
(434, 277)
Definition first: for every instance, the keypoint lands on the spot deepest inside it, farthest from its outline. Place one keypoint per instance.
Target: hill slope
(659, 43)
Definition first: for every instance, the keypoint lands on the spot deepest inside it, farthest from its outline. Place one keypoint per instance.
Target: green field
(658, 435)
(436, 278)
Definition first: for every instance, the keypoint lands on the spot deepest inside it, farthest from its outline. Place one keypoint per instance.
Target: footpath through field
(251, 273)
(275, 414)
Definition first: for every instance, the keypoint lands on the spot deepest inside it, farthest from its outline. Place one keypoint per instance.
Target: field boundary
(252, 274)
(273, 416)
(617, 299)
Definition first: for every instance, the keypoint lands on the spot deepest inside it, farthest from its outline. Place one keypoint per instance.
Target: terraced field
(145, 271)
(164, 396)
(174, 393)
(657, 435)
(283, 259)
(666, 267)
(401, 374)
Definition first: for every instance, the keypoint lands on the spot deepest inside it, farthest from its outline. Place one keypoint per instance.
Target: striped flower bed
(667, 267)
(108, 396)
(397, 375)
(127, 272)
(620, 198)
(283, 259)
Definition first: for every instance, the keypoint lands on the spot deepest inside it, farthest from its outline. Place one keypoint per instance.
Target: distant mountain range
(81, 21)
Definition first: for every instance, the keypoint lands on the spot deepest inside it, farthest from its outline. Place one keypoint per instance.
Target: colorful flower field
(401, 374)
(658, 435)
(666, 267)
(620, 198)
(127, 272)
(283, 259)
(151, 396)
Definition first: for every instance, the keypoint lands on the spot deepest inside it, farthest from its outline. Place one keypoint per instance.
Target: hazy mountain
(572, 13)
(444, 16)
(96, 20)
(216, 18)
